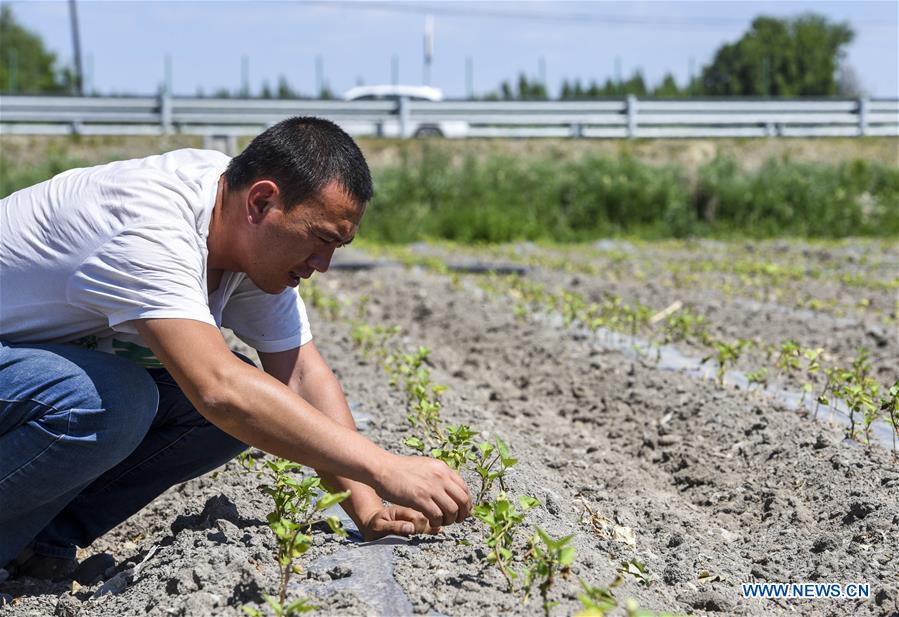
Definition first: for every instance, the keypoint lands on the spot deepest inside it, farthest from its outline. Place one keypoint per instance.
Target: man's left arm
(305, 372)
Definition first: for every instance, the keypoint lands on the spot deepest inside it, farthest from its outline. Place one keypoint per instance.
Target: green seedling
(726, 354)
(328, 305)
(834, 380)
(502, 520)
(297, 607)
(889, 405)
(812, 368)
(373, 339)
(491, 464)
(298, 504)
(789, 358)
(599, 602)
(596, 601)
(759, 377)
(685, 326)
(637, 569)
(520, 311)
(860, 397)
(859, 390)
(546, 559)
(456, 449)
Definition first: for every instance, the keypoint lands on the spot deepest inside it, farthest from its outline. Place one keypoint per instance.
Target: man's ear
(262, 196)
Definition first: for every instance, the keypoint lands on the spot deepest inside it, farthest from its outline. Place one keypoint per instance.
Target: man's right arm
(262, 412)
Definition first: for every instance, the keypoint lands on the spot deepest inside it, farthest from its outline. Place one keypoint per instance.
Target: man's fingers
(462, 502)
(400, 528)
(418, 520)
(461, 484)
(433, 512)
(450, 508)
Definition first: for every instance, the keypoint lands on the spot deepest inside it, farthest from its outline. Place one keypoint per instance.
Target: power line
(547, 16)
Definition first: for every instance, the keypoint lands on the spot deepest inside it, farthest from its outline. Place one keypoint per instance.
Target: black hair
(302, 155)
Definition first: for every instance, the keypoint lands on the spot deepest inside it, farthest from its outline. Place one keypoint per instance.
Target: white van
(411, 93)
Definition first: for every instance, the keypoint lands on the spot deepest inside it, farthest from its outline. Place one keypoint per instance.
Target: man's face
(290, 245)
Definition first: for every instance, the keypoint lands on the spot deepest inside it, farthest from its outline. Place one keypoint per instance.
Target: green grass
(502, 198)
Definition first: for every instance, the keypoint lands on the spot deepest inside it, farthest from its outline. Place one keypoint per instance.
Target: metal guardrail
(624, 118)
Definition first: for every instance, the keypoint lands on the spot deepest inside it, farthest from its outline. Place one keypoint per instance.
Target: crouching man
(115, 381)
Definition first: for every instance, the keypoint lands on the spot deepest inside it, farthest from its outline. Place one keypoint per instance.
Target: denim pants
(86, 440)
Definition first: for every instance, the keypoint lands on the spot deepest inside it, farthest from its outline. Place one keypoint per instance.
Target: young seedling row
(530, 563)
(744, 275)
(866, 400)
(298, 503)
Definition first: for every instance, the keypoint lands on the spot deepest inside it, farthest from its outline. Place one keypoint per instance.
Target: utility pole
(76, 43)
(541, 70)
(691, 71)
(319, 75)
(89, 75)
(428, 49)
(168, 74)
(469, 77)
(245, 76)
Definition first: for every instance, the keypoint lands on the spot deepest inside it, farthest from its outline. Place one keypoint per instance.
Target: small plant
(502, 520)
(328, 305)
(485, 465)
(725, 354)
(812, 368)
(789, 358)
(859, 391)
(596, 601)
(889, 405)
(373, 339)
(456, 449)
(685, 326)
(298, 504)
(546, 559)
(759, 377)
(637, 569)
(834, 380)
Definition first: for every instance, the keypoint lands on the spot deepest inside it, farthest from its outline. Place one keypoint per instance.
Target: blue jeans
(86, 440)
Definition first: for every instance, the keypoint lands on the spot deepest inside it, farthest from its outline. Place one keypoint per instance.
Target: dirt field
(707, 486)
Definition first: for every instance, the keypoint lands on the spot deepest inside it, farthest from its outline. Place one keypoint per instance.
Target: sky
(125, 43)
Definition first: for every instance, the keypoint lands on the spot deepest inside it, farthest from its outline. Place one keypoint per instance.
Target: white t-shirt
(88, 251)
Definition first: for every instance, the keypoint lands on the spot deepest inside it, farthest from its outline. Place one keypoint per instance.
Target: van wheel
(428, 131)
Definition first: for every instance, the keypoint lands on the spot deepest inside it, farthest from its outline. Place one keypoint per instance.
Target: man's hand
(395, 520)
(427, 485)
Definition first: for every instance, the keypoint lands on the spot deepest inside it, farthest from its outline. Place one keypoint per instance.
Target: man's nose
(321, 259)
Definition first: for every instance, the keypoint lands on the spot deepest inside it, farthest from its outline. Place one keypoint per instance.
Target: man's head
(292, 197)
(301, 155)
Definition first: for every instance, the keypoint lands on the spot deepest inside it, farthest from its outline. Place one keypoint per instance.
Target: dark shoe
(33, 565)
(94, 568)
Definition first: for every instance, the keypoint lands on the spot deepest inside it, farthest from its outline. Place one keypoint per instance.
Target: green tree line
(798, 56)
(793, 57)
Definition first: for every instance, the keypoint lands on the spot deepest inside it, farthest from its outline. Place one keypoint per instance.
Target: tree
(26, 66)
(668, 88)
(780, 57)
(285, 90)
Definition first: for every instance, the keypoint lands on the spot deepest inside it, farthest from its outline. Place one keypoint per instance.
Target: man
(115, 381)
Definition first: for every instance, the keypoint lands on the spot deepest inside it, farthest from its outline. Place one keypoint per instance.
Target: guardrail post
(863, 116)
(403, 103)
(631, 116)
(165, 111)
